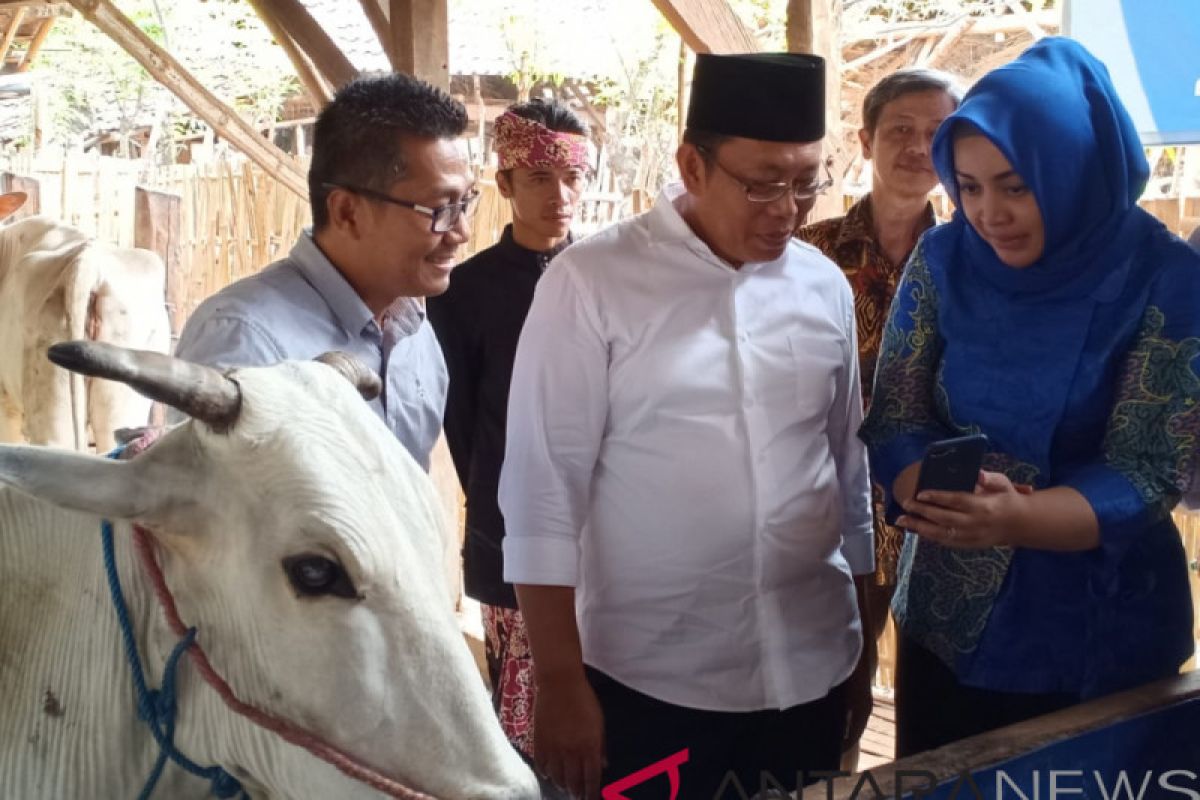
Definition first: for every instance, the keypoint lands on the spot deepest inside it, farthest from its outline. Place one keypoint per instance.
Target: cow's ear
(92, 484)
(9, 203)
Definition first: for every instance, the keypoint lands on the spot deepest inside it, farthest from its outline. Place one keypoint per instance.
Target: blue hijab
(1054, 114)
(1019, 335)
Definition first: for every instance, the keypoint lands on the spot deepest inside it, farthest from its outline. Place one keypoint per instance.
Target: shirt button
(743, 336)
(749, 403)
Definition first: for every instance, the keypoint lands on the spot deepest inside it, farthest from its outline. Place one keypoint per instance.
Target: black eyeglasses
(770, 192)
(442, 218)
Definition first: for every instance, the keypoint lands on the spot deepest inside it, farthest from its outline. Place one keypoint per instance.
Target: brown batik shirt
(849, 242)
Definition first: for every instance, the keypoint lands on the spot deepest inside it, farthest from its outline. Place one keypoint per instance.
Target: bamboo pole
(35, 44)
(171, 74)
(10, 34)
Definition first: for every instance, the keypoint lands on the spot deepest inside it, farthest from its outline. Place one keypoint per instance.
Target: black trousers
(934, 709)
(640, 731)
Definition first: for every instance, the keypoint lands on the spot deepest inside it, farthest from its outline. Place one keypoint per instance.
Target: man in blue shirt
(391, 192)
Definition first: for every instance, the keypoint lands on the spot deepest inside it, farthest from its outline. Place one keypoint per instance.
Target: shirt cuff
(541, 560)
(858, 548)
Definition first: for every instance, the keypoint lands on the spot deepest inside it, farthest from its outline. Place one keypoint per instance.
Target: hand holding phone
(952, 465)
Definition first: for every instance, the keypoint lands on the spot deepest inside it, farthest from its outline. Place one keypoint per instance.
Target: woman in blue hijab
(1062, 321)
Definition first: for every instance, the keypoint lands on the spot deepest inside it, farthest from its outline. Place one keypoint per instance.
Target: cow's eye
(318, 576)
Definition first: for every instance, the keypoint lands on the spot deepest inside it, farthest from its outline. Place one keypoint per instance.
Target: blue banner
(1152, 49)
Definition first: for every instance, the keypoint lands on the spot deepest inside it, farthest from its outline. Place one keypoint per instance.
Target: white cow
(299, 538)
(57, 284)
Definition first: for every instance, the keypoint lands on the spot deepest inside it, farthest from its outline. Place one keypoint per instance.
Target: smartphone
(952, 465)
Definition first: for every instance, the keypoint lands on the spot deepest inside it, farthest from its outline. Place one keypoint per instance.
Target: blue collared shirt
(302, 306)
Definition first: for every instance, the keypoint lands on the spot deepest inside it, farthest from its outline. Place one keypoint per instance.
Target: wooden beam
(799, 26)
(599, 128)
(318, 90)
(981, 26)
(171, 74)
(827, 43)
(877, 53)
(1031, 25)
(37, 8)
(377, 14)
(10, 34)
(35, 44)
(156, 224)
(951, 38)
(707, 26)
(420, 39)
(293, 18)
(682, 92)
(814, 26)
(481, 109)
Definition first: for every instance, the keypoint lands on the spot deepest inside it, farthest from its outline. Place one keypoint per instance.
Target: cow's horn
(201, 392)
(352, 369)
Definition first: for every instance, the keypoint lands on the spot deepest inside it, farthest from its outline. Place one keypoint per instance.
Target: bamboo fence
(234, 220)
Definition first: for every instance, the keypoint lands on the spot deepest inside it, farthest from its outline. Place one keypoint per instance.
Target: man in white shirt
(685, 496)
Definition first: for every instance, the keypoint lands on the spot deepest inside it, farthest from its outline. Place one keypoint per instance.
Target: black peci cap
(776, 97)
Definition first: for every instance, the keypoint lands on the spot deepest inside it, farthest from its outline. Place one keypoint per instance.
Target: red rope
(345, 762)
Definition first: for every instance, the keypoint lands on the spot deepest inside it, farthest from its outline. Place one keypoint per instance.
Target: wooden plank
(156, 227)
(35, 44)
(421, 39)
(707, 26)
(994, 747)
(171, 74)
(316, 87)
(377, 14)
(293, 18)
(10, 34)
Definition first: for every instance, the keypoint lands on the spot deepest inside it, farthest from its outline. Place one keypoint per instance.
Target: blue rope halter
(156, 707)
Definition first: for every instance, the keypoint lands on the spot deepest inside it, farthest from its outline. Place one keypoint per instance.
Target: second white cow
(58, 284)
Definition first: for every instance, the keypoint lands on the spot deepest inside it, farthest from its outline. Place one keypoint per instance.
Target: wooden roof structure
(414, 36)
(24, 26)
(412, 33)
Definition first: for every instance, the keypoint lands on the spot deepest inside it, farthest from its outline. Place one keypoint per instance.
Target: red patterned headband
(522, 142)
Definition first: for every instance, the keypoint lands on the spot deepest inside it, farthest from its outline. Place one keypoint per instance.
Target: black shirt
(478, 322)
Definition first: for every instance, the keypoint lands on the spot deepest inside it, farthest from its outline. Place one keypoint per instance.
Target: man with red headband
(544, 165)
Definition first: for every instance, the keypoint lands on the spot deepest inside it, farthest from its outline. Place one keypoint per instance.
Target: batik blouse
(1082, 371)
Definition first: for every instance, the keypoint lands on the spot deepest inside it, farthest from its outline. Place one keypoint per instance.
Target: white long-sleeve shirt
(682, 449)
